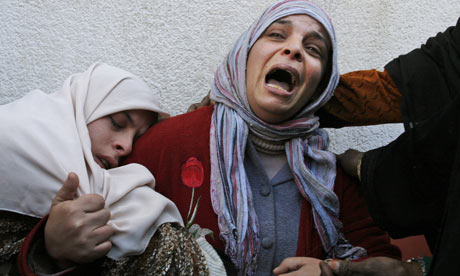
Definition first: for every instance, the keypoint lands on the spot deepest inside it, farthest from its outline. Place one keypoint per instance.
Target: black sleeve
(412, 185)
(428, 77)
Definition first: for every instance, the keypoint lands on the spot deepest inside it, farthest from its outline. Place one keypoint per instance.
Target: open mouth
(281, 79)
(103, 163)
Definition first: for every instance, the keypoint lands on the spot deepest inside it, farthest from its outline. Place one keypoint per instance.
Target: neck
(265, 146)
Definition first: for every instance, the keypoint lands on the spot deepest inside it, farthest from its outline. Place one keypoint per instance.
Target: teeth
(276, 86)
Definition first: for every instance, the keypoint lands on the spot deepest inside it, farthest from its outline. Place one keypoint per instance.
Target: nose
(123, 145)
(293, 50)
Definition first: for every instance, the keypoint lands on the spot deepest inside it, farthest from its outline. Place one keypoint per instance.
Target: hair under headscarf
(43, 137)
(312, 166)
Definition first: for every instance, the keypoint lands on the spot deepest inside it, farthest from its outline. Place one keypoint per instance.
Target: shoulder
(188, 123)
(180, 130)
(171, 142)
(198, 118)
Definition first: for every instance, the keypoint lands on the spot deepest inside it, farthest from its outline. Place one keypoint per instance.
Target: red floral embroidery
(192, 176)
(192, 173)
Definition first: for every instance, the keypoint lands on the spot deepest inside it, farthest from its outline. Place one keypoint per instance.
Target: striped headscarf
(312, 166)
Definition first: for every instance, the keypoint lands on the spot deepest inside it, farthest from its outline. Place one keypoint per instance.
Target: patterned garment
(365, 97)
(13, 229)
(171, 251)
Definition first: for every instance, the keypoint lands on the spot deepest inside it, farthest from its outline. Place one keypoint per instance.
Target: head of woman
(289, 57)
(119, 108)
(113, 136)
(285, 67)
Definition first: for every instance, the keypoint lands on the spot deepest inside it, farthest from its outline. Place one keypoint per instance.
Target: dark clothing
(412, 186)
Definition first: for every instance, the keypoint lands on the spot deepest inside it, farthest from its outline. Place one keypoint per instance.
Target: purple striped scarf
(312, 166)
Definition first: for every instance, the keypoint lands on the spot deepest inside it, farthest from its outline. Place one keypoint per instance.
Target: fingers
(204, 102)
(77, 237)
(100, 245)
(289, 264)
(87, 211)
(346, 268)
(349, 161)
(325, 269)
(77, 230)
(298, 266)
(375, 266)
(97, 220)
(192, 107)
(101, 250)
(337, 268)
(91, 202)
(68, 189)
(299, 272)
(103, 233)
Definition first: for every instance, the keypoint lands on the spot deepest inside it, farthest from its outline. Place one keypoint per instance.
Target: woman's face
(112, 136)
(285, 66)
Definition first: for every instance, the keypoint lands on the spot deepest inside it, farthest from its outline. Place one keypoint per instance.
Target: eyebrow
(130, 119)
(320, 36)
(314, 34)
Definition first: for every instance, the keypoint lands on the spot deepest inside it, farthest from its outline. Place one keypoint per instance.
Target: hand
(77, 230)
(349, 161)
(377, 266)
(206, 101)
(298, 266)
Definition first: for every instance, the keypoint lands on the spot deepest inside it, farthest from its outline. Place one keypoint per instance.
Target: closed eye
(114, 123)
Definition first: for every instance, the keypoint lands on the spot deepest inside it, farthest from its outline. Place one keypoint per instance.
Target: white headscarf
(43, 137)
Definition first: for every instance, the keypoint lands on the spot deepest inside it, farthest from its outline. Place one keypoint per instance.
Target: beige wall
(177, 45)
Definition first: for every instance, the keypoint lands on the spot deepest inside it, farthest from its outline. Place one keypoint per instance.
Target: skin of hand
(298, 266)
(206, 101)
(377, 266)
(349, 161)
(76, 231)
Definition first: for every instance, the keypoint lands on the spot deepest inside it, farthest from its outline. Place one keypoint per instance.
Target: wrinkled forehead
(287, 8)
(306, 25)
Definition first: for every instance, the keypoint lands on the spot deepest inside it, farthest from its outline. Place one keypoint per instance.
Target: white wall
(177, 45)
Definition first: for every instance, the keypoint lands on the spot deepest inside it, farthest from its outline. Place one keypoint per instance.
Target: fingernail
(334, 265)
